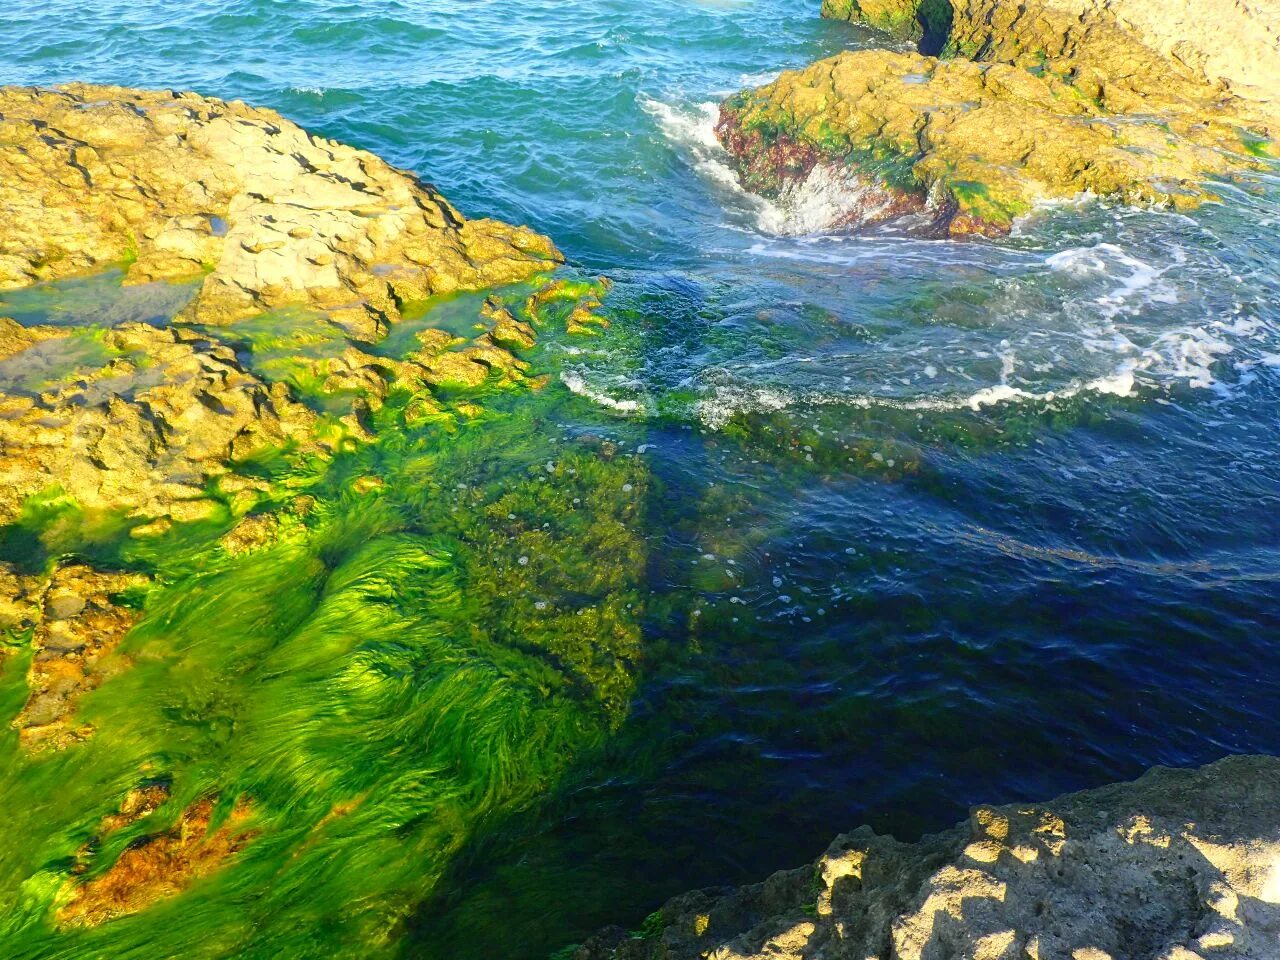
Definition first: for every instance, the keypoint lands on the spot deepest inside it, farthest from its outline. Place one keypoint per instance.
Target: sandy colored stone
(175, 185)
(507, 329)
(20, 601)
(1030, 102)
(1176, 865)
(159, 866)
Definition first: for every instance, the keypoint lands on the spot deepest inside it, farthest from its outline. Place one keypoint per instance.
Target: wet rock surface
(158, 866)
(175, 185)
(75, 617)
(1008, 105)
(1178, 865)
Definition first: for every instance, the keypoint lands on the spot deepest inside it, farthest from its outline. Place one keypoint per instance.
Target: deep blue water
(1005, 516)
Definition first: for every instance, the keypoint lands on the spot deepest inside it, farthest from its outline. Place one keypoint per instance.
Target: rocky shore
(1178, 865)
(136, 428)
(253, 214)
(1003, 106)
(179, 186)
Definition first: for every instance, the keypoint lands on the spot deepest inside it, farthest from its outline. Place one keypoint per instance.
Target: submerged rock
(159, 866)
(1178, 865)
(175, 185)
(1006, 105)
(76, 618)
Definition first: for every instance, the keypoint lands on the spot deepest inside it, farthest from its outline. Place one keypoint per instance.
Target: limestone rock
(175, 185)
(1028, 102)
(1180, 864)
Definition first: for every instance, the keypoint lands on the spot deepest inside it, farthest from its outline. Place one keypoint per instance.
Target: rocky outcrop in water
(1178, 865)
(175, 185)
(1007, 105)
(76, 617)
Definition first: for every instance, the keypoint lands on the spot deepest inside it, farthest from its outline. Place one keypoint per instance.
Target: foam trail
(577, 384)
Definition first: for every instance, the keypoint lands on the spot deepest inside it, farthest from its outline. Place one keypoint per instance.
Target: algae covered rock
(267, 222)
(76, 617)
(1180, 864)
(1027, 103)
(175, 185)
(162, 414)
(159, 866)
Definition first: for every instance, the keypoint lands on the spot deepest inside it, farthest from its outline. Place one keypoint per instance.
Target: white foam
(577, 384)
(1113, 338)
(824, 200)
(728, 401)
(819, 203)
(758, 79)
(1142, 285)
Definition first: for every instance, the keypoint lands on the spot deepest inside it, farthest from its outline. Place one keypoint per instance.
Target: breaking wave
(819, 203)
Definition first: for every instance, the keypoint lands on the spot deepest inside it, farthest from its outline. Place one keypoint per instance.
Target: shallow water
(921, 523)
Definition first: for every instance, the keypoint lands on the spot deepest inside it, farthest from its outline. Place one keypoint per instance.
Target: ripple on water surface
(931, 522)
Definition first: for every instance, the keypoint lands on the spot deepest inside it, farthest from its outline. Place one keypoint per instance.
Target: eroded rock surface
(173, 185)
(1178, 865)
(146, 431)
(1027, 102)
(159, 866)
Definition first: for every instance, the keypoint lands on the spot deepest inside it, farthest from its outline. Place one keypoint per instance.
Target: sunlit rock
(1177, 864)
(1008, 105)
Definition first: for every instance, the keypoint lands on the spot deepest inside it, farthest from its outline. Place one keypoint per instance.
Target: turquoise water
(1002, 516)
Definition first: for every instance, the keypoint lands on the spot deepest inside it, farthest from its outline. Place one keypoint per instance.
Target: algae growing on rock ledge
(293, 610)
(397, 644)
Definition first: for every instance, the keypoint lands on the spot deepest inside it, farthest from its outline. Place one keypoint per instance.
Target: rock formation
(175, 185)
(1006, 105)
(1178, 865)
(146, 431)
(155, 867)
(151, 421)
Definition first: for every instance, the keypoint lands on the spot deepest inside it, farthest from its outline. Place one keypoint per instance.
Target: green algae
(878, 158)
(416, 667)
(52, 524)
(984, 203)
(450, 626)
(1259, 147)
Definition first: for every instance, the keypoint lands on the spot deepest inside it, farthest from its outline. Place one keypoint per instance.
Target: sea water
(925, 522)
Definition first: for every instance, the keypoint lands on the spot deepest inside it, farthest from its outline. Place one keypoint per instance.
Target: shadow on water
(935, 18)
(981, 662)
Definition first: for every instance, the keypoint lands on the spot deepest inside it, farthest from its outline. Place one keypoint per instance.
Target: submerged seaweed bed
(820, 530)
